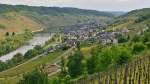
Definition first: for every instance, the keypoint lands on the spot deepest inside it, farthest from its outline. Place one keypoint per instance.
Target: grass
(14, 22)
(13, 75)
(30, 65)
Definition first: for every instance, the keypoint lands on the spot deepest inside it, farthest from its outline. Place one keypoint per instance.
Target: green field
(12, 75)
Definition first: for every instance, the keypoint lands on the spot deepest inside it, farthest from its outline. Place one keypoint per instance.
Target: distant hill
(117, 13)
(135, 20)
(20, 17)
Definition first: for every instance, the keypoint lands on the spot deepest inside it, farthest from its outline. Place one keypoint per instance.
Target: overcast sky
(102, 5)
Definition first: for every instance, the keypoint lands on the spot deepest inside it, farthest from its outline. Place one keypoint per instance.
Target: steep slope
(15, 22)
(135, 20)
(51, 18)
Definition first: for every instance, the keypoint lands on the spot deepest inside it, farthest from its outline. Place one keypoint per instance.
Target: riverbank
(12, 42)
(38, 39)
(13, 75)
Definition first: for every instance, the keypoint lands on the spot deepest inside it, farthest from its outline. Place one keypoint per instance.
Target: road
(65, 55)
(56, 61)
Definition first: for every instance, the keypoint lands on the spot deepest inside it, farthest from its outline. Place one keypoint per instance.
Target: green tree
(104, 59)
(92, 64)
(78, 45)
(39, 49)
(63, 72)
(136, 38)
(3, 66)
(138, 47)
(123, 57)
(30, 53)
(146, 37)
(75, 66)
(17, 58)
(37, 76)
(122, 38)
(13, 34)
(7, 34)
(148, 45)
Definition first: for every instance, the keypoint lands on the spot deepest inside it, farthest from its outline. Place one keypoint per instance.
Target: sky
(101, 5)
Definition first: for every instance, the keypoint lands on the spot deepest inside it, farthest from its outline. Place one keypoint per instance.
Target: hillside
(135, 70)
(135, 20)
(20, 17)
(14, 22)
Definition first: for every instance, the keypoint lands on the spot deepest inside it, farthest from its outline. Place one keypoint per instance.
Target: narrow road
(65, 54)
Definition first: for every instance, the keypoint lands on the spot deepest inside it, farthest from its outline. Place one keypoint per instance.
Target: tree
(37, 76)
(123, 57)
(136, 38)
(138, 47)
(13, 34)
(63, 72)
(17, 58)
(28, 33)
(146, 37)
(91, 64)
(75, 66)
(7, 34)
(148, 45)
(39, 49)
(104, 59)
(78, 45)
(3, 66)
(122, 38)
(30, 53)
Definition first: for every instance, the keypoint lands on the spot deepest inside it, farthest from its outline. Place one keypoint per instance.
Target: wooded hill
(135, 21)
(15, 18)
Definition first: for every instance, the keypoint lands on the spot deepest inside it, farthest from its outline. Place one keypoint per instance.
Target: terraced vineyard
(135, 72)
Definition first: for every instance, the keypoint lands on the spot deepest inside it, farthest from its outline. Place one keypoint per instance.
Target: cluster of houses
(85, 34)
(102, 36)
(107, 37)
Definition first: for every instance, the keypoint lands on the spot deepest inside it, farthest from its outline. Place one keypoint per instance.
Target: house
(71, 42)
(106, 37)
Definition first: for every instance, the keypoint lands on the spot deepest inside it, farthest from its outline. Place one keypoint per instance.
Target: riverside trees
(11, 43)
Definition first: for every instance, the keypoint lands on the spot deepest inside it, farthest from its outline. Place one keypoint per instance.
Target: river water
(38, 39)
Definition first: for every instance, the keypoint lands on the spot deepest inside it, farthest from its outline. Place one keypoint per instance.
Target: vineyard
(135, 72)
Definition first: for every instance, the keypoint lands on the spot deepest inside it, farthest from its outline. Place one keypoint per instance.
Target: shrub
(35, 77)
(138, 47)
(30, 53)
(148, 45)
(123, 57)
(122, 38)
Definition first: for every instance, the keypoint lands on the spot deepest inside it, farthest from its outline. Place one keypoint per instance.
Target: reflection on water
(38, 39)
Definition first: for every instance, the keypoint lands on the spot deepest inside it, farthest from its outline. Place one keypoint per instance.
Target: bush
(138, 47)
(75, 65)
(3, 66)
(17, 58)
(123, 57)
(30, 54)
(35, 77)
(148, 45)
(65, 47)
(122, 38)
(136, 38)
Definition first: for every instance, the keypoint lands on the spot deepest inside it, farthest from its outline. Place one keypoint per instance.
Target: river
(38, 39)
